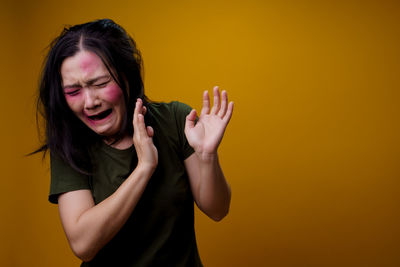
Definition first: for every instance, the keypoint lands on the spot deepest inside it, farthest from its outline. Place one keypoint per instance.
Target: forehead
(81, 67)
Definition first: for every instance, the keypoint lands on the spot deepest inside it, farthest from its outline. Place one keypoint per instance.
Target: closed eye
(101, 85)
(101, 82)
(72, 92)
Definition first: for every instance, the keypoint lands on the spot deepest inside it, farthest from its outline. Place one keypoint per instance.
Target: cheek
(114, 94)
(74, 102)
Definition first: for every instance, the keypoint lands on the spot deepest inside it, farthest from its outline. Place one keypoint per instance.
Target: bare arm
(89, 227)
(210, 189)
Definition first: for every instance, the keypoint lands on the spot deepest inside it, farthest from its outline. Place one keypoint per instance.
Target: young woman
(124, 170)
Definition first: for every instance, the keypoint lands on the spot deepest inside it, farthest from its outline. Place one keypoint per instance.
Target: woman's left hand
(206, 135)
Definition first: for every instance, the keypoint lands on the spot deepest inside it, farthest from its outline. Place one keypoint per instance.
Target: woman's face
(92, 93)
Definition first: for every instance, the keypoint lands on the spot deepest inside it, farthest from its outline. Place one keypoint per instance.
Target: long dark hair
(65, 135)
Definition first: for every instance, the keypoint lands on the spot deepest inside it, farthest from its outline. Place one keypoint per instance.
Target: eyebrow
(89, 82)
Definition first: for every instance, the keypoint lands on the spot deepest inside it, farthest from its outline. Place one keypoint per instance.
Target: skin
(89, 90)
(89, 227)
(210, 189)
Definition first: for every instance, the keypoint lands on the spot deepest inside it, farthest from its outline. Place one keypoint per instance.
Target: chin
(107, 132)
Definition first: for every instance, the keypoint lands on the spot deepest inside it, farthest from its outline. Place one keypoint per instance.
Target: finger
(141, 127)
(150, 131)
(216, 104)
(206, 104)
(228, 113)
(144, 110)
(138, 107)
(224, 104)
(190, 120)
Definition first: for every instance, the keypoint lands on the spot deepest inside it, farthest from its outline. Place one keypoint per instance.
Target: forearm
(97, 225)
(209, 187)
(214, 194)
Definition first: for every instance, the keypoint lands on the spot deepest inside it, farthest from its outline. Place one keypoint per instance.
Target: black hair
(65, 135)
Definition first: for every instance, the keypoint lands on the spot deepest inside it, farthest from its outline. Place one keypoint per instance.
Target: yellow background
(312, 152)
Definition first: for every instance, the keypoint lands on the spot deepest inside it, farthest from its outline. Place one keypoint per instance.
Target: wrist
(145, 169)
(207, 158)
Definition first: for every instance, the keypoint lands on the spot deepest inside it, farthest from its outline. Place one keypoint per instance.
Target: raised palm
(206, 135)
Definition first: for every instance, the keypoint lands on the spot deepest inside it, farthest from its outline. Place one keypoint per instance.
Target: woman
(125, 171)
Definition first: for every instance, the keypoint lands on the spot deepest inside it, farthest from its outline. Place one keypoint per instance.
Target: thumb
(150, 131)
(190, 119)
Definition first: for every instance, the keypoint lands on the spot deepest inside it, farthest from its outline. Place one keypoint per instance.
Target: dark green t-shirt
(160, 230)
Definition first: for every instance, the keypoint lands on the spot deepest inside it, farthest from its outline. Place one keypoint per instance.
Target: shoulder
(168, 121)
(171, 108)
(168, 114)
(64, 178)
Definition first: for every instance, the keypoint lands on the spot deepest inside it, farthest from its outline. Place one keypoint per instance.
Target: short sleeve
(64, 179)
(181, 111)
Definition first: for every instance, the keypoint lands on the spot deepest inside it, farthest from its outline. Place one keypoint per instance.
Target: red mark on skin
(113, 93)
(89, 62)
(73, 99)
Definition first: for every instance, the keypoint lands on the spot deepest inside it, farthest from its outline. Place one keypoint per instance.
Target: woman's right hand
(90, 227)
(143, 139)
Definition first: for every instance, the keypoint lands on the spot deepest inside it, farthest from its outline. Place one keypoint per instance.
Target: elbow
(222, 211)
(218, 216)
(85, 257)
(82, 251)
(216, 209)
(217, 212)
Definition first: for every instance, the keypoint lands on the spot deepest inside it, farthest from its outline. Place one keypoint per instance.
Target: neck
(123, 143)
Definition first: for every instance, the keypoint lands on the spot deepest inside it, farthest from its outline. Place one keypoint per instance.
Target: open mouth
(101, 115)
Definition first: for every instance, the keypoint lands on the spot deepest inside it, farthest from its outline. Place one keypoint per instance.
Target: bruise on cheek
(69, 98)
(114, 93)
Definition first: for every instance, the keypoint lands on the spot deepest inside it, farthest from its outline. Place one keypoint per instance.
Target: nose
(91, 99)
